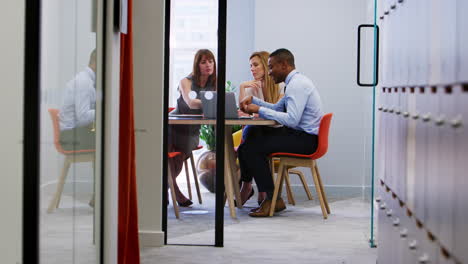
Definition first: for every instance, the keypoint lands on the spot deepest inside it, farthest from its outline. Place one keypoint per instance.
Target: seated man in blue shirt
(299, 111)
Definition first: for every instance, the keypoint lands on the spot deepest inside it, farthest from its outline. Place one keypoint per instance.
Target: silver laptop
(209, 99)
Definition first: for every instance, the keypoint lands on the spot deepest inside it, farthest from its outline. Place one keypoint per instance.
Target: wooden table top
(198, 120)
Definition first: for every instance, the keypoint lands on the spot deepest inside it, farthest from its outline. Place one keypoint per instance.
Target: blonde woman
(264, 88)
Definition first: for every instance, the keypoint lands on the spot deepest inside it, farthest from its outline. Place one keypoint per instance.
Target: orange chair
(237, 139)
(194, 172)
(71, 156)
(171, 185)
(290, 160)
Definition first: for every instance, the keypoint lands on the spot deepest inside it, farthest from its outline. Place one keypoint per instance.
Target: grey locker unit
(422, 136)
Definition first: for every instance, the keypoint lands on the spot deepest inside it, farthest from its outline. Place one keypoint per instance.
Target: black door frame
(31, 132)
(221, 79)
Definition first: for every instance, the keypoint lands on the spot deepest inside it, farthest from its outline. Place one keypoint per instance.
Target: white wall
(322, 36)
(12, 16)
(148, 96)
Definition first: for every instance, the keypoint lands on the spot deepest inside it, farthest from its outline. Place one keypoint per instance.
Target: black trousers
(260, 142)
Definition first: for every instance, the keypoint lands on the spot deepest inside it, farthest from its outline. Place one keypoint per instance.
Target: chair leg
(54, 203)
(278, 183)
(187, 176)
(321, 188)
(288, 189)
(173, 195)
(195, 178)
(304, 182)
(319, 192)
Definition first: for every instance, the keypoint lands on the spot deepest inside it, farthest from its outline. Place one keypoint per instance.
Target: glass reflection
(70, 99)
(193, 72)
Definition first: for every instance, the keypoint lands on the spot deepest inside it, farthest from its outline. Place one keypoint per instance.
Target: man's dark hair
(283, 55)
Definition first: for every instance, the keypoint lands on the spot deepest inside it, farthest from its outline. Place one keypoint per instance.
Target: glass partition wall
(191, 137)
(70, 107)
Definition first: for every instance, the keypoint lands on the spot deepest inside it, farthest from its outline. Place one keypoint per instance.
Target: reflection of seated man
(78, 109)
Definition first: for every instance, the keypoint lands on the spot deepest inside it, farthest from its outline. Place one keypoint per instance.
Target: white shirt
(300, 108)
(79, 103)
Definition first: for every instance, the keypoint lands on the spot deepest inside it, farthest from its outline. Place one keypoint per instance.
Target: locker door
(420, 157)
(448, 43)
(432, 178)
(381, 128)
(446, 171)
(462, 41)
(424, 53)
(410, 148)
(394, 140)
(403, 153)
(434, 42)
(382, 226)
(461, 169)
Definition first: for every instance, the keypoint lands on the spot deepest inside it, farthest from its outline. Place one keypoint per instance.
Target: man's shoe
(279, 206)
(264, 209)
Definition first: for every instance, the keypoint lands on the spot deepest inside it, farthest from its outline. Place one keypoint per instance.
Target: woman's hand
(255, 84)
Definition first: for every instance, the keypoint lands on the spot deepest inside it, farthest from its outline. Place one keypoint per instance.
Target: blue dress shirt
(300, 108)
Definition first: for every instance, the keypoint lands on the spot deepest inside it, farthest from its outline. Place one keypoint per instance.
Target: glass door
(70, 132)
(194, 90)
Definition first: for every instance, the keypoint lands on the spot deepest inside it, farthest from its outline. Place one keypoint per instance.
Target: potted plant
(206, 164)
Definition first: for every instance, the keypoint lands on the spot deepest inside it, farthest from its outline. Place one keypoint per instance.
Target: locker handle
(397, 112)
(426, 117)
(405, 114)
(380, 108)
(424, 258)
(390, 110)
(456, 123)
(404, 232)
(415, 116)
(378, 199)
(440, 121)
(383, 206)
(396, 221)
(385, 110)
(376, 55)
(413, 244)
(389, 212)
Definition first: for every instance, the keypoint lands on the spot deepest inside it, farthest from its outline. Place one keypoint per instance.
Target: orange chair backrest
(54, 115)
(324, 131)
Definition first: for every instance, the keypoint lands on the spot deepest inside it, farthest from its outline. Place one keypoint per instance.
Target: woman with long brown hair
(185, 138)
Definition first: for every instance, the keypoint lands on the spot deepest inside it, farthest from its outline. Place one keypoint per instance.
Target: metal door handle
(376, 46)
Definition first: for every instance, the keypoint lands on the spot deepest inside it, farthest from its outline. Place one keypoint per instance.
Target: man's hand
(246, 101)
(251, 109)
